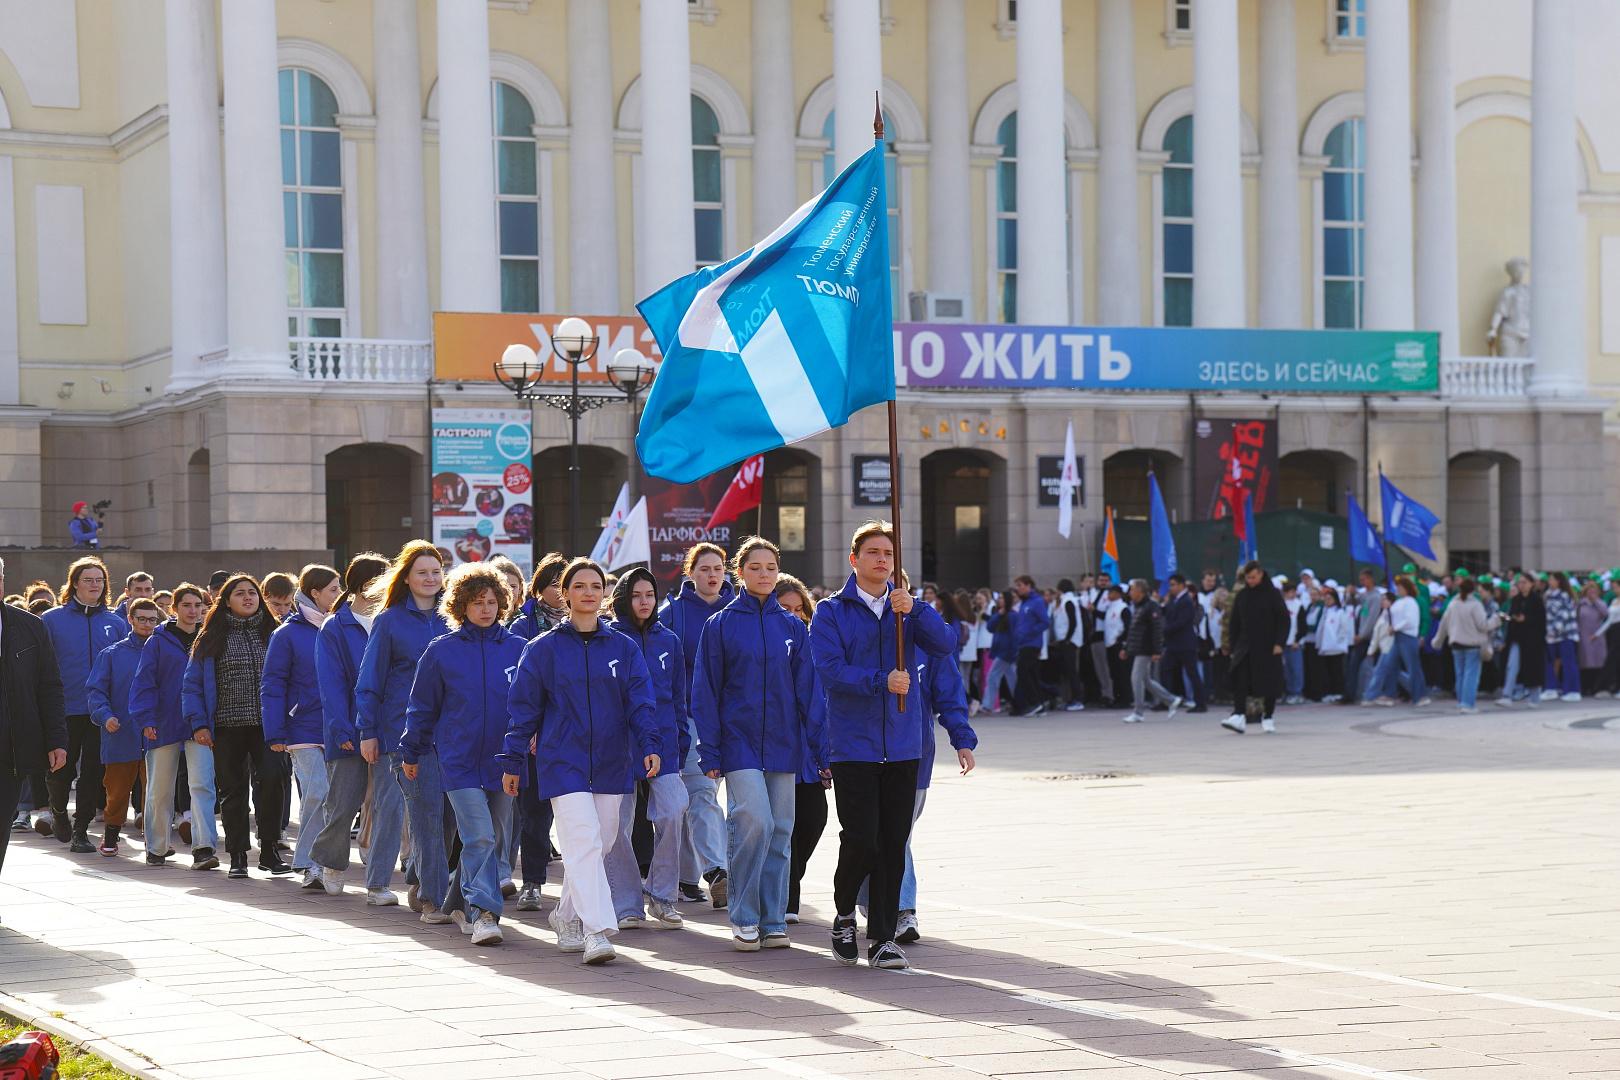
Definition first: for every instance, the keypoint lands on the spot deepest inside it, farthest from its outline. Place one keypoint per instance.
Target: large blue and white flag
(1365, 546)
(782, 342)
(1407, 522)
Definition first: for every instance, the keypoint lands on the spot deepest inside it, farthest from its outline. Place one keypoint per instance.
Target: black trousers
(1240, 691)
(534, 830)
(1032, 689)
(84, 763)
(809, 822)
(1072, 684)
(1332, 674)
(875, 800)
(243, 761)
(10, 792)
(1172, 664)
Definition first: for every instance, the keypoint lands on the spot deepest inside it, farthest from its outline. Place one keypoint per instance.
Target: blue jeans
(1293, 670)
(908, 881)
(533, 831)
(162, 763)
(424, 806)
(703, 844)
(666, 807)
(1565, 651)
(760, 823)
(999, 669)
(346, 779)
(309, 769)
(1403, 654)
(1466, 663)
(485, 819)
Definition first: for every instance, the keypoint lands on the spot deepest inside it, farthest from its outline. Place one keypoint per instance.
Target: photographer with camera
(84, 528)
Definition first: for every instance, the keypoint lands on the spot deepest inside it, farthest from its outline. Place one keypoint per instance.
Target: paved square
(1371, 892)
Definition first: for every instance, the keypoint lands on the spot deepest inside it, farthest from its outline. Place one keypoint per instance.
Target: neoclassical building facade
(225, 228)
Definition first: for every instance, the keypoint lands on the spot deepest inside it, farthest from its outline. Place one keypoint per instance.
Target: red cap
(79, 506)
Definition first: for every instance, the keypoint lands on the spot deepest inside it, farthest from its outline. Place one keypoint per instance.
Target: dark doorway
(199, 503)
(956, 521)
(368, 501)
(601, 474)
(1125, 482)
(790, 511)
(1315, 480)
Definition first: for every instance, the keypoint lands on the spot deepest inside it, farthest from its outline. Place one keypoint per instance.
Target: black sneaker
(81, 844)
(845, 951)
(689, 893)
(270, 862)
(61, 828)
(717, 888)
(886, 955)
(238, 865)
(203, 858)
(156, 860)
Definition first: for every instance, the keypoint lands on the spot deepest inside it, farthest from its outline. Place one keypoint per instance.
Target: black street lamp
(519, 370)
(631, 373)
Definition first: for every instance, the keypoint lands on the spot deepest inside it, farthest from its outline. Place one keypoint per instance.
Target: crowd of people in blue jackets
(458, 722)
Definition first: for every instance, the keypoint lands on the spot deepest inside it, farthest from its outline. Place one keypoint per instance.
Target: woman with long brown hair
(221, 693)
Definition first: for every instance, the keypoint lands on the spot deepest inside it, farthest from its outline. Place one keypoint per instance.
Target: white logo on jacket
(789, 643)
(511, 673)
(662, 657)
(613, 668)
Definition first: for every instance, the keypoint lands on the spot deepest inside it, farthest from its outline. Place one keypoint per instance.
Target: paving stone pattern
(1371, 892)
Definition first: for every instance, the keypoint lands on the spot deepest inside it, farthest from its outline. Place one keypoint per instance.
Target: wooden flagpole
(894, 474)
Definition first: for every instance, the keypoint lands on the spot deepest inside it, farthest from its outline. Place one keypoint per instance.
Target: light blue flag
(782, 342)
(1407, 522)
(1164, 543)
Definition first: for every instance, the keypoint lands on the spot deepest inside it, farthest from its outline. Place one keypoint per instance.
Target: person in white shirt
(1068, 636)
(1403, 651)
(1335, 632)
(1115, 614)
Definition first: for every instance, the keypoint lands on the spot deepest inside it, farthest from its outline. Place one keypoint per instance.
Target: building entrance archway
(964, 522)
(1483, 518)
(601, 473)
(369, 490)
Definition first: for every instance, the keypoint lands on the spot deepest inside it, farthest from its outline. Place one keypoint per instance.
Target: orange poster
(467, 344)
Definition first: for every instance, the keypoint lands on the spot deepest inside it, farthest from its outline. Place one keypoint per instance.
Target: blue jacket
(289, 686)
(1001, 638)
(154, 697)
(685, 612)
(941, 679)
(591, 705)
(339, 647)
(458, 705)
(666, 667)
(79, 634)
(1030, 621)
(83, 531)
(809, 770)
(854, 653)
(199, 695)
(399, 637)
(530, 622)
(753, 688)
(111, 677)
(1181, 614)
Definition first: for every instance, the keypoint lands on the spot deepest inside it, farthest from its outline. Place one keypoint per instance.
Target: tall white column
(1558, 284)
(1220, 269)
(196, 192)
(404, 311)
(670, 246)
(776, 155)
(469, 260)
(857, 77)
(1437, 177)
(1043, 255)
(593, 218)
(1280, 289)
(950, 202)
(1119, 270)
(1387, 302)
(256, 274)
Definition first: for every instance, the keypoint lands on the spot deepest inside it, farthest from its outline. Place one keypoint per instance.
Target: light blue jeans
(703, 843)
(485, 821)
(309, 769)
(1402, 655)
(1466, 663)
(346, 780)
(424, 806)
(999, 669)
(1293, 670)
(761, 806)
(908, 882)
(666, 807)
(162, 765)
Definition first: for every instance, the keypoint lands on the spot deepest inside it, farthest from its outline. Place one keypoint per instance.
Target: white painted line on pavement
(1332, 1063)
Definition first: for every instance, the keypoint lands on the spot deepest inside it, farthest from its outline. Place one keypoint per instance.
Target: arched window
(891, 185)
(1343, 206)
(1177, 214)
(708, 189)
(517, 198)
(1007, 220)
(312, 205)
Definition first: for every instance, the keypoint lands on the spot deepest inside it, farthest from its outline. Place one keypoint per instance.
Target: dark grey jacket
(32, 722)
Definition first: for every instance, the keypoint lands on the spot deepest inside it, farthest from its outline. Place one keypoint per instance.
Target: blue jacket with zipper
(289, 686)
(155, 694)
(530, 622)
(1001, 638)
(79, 634)
(590, 704)
(1030, 621)
(199, 695)
(458, 705)
(339, 647)
(666, 667)
(399, 637)
(111, 678)
(854, 653)
(752, 689)
(946, 698)
(686, 612)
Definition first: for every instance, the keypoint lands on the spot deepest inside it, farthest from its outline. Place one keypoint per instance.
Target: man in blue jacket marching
(875, 747)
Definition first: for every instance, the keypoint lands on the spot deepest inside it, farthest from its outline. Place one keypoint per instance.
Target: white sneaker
(332, 881)
(745, 938)
(1075, 706)
(1268, 725)
(1175, 704)
(312, 878)
(432, 916)
(486, 931)
(1424, 700)
(381, 898)
(1549, 695)
(465, 919)
(792, 917)
(905, 928)
(1237, 722)
(776, 939)
(1133, 718)
(1504, 703)
(570, 933)
(1573, 696)
(1467, 710)
(598, 950)
(630, 922)
(661, 916)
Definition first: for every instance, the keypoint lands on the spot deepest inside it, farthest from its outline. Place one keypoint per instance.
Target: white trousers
(587, 826)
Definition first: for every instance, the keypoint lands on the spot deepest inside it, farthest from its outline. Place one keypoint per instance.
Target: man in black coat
(33, 727)
(1181, 617)
(1144, 644)
(1259, 629)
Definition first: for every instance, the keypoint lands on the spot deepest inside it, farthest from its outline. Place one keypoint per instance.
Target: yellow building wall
(1493, 217)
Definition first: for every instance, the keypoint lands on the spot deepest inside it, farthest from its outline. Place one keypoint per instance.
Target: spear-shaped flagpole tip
(877, 116)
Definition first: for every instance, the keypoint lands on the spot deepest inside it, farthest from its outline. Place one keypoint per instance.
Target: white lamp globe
(519, 362)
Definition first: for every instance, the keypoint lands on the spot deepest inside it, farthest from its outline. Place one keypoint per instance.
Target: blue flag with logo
(1249, 546)
(1407, 522)
(1164, 543)
(782, 342)
(1365, 545)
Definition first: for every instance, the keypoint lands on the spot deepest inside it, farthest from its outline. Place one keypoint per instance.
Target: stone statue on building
(1509, 334)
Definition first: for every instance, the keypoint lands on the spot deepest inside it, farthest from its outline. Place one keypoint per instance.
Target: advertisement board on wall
(1216, 442)
(1049, 481)
(676, 518)
(483, 489)
(467, 344)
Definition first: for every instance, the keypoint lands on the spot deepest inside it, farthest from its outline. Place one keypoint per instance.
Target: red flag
(1239, 518)
(745, 492)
